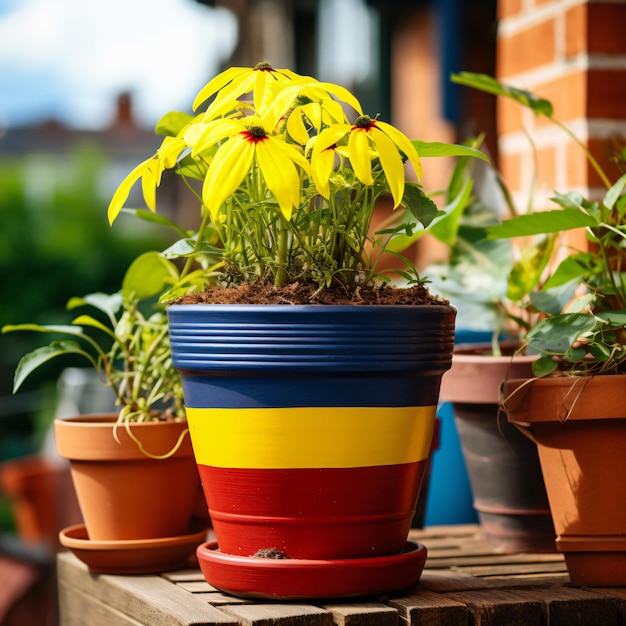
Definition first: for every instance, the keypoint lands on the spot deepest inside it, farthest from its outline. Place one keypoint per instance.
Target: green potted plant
(305, 374)
(134, 473)
(572, 407)
(489, 285)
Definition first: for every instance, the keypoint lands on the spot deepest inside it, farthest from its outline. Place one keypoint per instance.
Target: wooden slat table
(464, 582)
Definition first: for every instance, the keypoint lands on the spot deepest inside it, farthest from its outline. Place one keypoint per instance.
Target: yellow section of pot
(310, 437)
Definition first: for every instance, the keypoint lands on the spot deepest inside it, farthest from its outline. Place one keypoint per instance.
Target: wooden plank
(511, 569)
(75, 606)
(140, 597)
(196, 586)
(565, 606)
(424, 608)
(496, 607)
(363, 614)
(188, 575)
(492, 560)
(217, 598)
(277, 614)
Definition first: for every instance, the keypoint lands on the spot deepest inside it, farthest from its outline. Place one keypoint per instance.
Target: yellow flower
(150, 172)
(307, 101)
(387, 142)
(246, 143)
(237, 81)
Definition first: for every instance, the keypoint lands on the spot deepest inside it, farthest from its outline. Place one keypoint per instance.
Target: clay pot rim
(534, 400)
(106, 447)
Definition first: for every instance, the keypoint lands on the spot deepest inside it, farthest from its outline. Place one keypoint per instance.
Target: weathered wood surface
(464, 582)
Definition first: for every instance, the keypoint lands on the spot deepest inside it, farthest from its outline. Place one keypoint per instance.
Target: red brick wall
(572, 52)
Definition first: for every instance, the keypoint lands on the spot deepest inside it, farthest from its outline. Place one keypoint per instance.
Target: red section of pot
(313, 513)
(123, 494)
(294, 579)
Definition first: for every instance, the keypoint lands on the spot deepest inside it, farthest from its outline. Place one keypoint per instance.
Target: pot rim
(563, 398)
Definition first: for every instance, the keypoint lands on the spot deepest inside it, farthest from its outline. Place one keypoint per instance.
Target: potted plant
(572, 407)
(134, 473)
(305, 374)
(489, 281)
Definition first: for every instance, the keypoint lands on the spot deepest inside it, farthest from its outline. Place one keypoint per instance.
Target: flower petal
(359, 151)
(229, 167)
(322, 168)
(217, 82)
(391, 162)
(280, 174)
(121, 193)
(296, 128)
(404, 143)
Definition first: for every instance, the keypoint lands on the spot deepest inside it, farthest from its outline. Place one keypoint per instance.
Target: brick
(510, 166)
(606, 28)
(509, 8)
(510, 116)
(528, 49)
(606, 94)
(577, 171)
(576, 30)
(604, 151)
(568, 95)
(547, 164)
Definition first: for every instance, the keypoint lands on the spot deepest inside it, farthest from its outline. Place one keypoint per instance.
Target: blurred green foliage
(55, 243)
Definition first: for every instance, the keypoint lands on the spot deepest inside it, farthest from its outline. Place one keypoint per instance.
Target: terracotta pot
(502, 464)
(41, 496)
(311, 425)
(579, 424)
(123, 494)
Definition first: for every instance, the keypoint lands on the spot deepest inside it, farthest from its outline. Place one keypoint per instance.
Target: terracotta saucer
(300, 579)
(143, 556)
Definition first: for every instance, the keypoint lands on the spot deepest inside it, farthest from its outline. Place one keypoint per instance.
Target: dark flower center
(363, 121)
(256, 133)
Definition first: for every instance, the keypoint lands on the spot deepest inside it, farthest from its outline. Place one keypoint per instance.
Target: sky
(70, 59)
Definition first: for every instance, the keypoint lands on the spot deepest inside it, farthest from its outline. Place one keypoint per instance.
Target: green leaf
(488, 84)
(31, 361)
(156, 218)
(616, 318)
(87, 320)
(52, 328)
(541, 223)
(553, 301)
(526, 272)
(107, 303)
(439, 149)
(614, 192)
(181, 248)
(556, 335)
(569, 269)
(172, 123)
(445, 228)
(148, 275)
(543, 366)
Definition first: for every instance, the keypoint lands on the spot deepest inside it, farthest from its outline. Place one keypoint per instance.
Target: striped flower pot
(311, 425)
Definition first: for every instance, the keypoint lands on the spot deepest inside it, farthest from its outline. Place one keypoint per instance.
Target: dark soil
(308, 294)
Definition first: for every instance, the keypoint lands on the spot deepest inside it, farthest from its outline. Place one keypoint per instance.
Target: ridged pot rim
(96, 441)
(331, 308)
(564, 398)
(309, 338)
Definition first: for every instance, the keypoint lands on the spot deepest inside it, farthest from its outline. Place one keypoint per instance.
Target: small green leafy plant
(126, 344)
(582, 302)
(287, 183)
